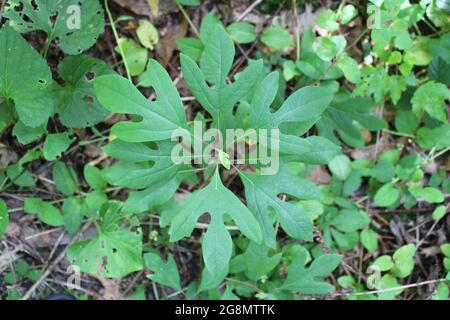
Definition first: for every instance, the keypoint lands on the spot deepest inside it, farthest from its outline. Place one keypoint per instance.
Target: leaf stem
(116, 36)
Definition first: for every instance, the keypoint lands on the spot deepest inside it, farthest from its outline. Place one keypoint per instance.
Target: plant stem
(116, 36)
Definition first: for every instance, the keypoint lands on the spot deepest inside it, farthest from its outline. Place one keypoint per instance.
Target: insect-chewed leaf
(216, 200)
(24, 78)
(159, 118)
(76, 23)
(77, 104)
(112, 254)
(262, 192)
(309, 280)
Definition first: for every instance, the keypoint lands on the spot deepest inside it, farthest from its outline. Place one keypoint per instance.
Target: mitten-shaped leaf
(216, 200)
(262, 191)
(158, 119)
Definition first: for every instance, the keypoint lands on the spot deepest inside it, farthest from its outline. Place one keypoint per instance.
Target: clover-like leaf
(24, 78)
(75, 23)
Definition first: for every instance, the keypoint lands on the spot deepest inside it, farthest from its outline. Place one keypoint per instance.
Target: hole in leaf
(88, 99)
(90, 76)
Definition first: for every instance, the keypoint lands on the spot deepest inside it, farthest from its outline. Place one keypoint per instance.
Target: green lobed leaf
(159, 118)
(216, 200)
(165, 273)
(309, 280)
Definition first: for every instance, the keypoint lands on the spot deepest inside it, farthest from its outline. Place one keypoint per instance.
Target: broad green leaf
(20, 176)
(389, 282)
(348, 13)
(216, 200)
(438, 138)
(442, 291)
(25, 78)
(73, 210)
(325, 48)
(4, 218)
(439, 212)
(191, 47)
(217, 57)
(328, 21)
(111, 254)
(262, 191)
(277, 38)
(419, 54)
(387, 195)
(431, 98)
(350, 69)
(441, 47)
(309, 280)
(77, 104)
(439, 71)
(165, 273)
(369, 239)
(26, 135)
(242, 32)
(65, 178)
(341, 167)
(406, 121)
(159, 118)
(135, 55)
(44, 211)
(432, 195)
(383, 263)
(349, 220)
(312, 150)
(404, 261)
(208, 26)
(55, 144)
(76, 24)
(94, 177)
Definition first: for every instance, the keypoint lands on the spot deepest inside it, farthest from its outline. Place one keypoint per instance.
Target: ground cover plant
(225, 150)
